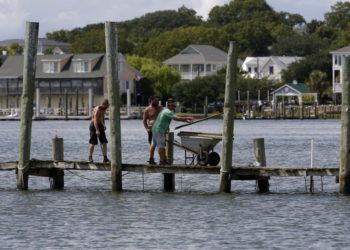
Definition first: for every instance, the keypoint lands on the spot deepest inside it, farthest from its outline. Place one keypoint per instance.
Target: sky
(54, 15)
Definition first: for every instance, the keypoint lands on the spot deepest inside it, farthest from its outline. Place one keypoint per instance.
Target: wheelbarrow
(199, 147)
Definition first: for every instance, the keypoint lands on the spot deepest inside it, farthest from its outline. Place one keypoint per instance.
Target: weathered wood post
(91, 102)
(66, 104)
(344, 169)
(128, 103)
(169, 179)
(259, 153)
(248, 104)
(37, 103)
(29, 67)
(229, 114)
(114, 101)
(57, 179)
(77, 102)
(205, 107)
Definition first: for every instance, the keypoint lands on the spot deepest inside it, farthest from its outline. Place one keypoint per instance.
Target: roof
(341, 50)
(300, 88)
(195, 53)
(282, 61)
(13, 67)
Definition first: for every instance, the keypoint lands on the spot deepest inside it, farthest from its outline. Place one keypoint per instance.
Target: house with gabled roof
(337, 60)
(294, 89)
(198, 60)
(267, 67)
(76, 73)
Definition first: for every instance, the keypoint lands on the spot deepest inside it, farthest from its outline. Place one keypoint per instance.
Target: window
(198, 68)
(185, 68)
(81, 66)
(256, 70)
(208, 67)
(50, 67)
(339, 60)
(214, 67)
(126, 84)
(271, 70)
(336, 76)
(250, 69)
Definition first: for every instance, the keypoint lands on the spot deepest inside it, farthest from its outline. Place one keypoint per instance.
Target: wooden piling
(344, 170)
(29, 67)
(66, 104)
(37, 103)
(114, 104)
(77, 102)
(57, 175)
(248, 105)
(205, 107)
(169, 179)
(229, 114)
(259, 153)
(91, 102)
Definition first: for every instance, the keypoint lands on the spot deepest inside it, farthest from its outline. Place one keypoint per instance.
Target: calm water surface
(88, 215)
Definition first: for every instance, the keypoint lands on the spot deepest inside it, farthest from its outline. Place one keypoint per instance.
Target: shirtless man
(97, 130)
(149, 118)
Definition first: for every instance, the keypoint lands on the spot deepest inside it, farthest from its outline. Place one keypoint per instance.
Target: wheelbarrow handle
(200, 120)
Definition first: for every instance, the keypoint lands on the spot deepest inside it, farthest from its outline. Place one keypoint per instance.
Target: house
(76, 73)
(337, 58)
(290, 90)
(270, 67)
(198, 60)
(43, 45)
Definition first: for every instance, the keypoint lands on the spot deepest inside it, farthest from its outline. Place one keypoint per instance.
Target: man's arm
(97, 120)
(183, 118)
(145, 118)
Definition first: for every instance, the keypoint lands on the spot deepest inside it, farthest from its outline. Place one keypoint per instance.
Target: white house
(198, 60)
(337, 58)
(270, 67)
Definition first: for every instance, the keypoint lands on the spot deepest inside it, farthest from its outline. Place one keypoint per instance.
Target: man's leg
(91, 151)
(152, 149)
(161, 152)
(104, 152)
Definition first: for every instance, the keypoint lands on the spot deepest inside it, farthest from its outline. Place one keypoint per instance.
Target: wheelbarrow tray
(197, 141)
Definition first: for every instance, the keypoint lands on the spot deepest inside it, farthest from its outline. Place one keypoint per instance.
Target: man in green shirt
(161, 126)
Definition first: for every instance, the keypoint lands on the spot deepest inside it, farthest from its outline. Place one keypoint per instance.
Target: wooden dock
(44, 168)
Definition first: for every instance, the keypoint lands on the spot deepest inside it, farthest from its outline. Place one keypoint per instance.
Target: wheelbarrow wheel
(213, 159)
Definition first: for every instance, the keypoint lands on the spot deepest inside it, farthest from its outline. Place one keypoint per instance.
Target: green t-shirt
(163, 121)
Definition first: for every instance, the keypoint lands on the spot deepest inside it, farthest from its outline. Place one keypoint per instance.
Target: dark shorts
(150, 137)
(93, 136)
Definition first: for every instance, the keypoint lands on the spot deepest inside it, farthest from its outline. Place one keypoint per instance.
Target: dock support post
(91, 102)
(37, 104)
(57, 179)
(259, 153)
(128, 103)
(29, 66)
(169, 179)
(229, 114)
(114, 104)
(205, 108)
(344, 169)
(77, 102)
(66, 104)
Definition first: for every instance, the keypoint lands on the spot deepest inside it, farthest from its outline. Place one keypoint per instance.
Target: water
(88, 215)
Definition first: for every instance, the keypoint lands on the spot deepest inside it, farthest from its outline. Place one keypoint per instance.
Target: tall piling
(259, 153)
(169, 179)
(91, 102)
(344, 169)
(27, 100)
(37, 103)
(114, 104)
(57, 176)
(66, 104)
(229, 114)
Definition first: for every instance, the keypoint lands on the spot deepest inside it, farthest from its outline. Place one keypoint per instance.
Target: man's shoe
(106, 160)
(90, 160)
(151, 161)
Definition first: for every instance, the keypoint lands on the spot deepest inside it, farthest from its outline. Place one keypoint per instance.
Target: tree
(15, 49)
(339, 16)
(92, 41)
(317, 82)
(162, 77)
(172, 42)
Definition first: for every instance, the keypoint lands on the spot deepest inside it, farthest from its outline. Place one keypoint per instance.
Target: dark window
(271, 70)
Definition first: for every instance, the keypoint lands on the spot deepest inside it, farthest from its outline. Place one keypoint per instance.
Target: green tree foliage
(242, 10)
(339, 16)
(15, 49)
(172, 42)
(299, 45)
(301, 70)
(92, 41)
(161, 76)
(317, 82)
(59, 35)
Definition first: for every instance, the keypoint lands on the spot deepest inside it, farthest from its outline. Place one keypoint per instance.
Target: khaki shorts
(158, 140)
